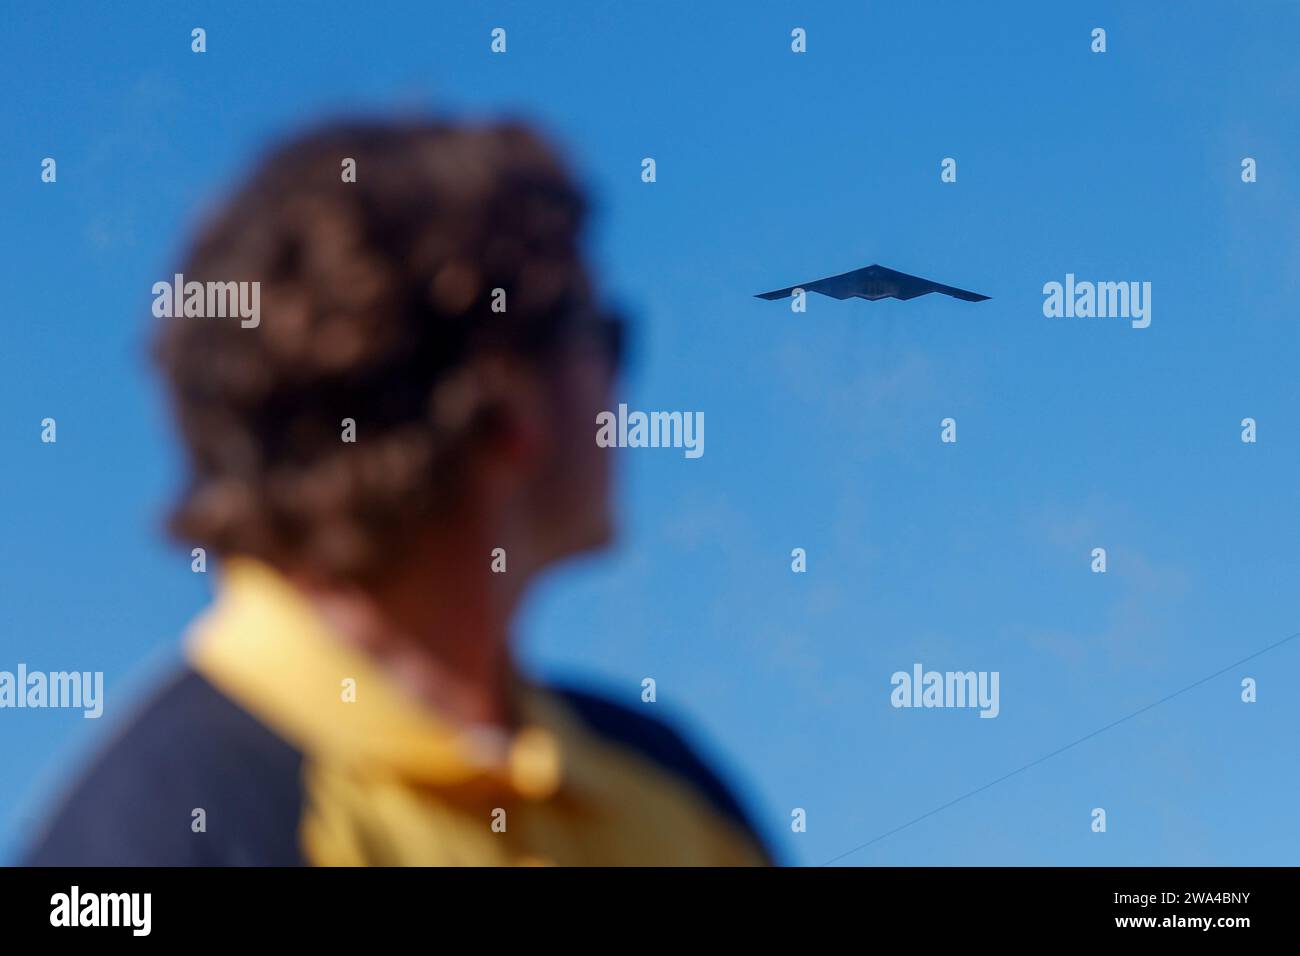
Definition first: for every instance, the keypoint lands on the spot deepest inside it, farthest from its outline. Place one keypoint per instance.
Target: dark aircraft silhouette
(874, 282)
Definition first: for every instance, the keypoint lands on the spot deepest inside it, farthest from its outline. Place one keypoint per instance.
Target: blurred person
(384, 461)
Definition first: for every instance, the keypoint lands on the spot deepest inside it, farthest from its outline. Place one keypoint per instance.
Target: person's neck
(440, 628)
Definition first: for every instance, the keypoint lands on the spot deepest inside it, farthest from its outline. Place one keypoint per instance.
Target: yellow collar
(265, 646)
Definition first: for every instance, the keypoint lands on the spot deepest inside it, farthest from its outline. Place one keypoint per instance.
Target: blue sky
(822, 428)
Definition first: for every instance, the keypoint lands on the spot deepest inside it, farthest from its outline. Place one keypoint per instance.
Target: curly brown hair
(375, 295)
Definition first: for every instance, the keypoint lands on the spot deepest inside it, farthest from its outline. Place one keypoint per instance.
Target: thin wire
(1061, 750)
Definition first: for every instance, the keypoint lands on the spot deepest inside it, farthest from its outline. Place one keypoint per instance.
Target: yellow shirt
(386, 781)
